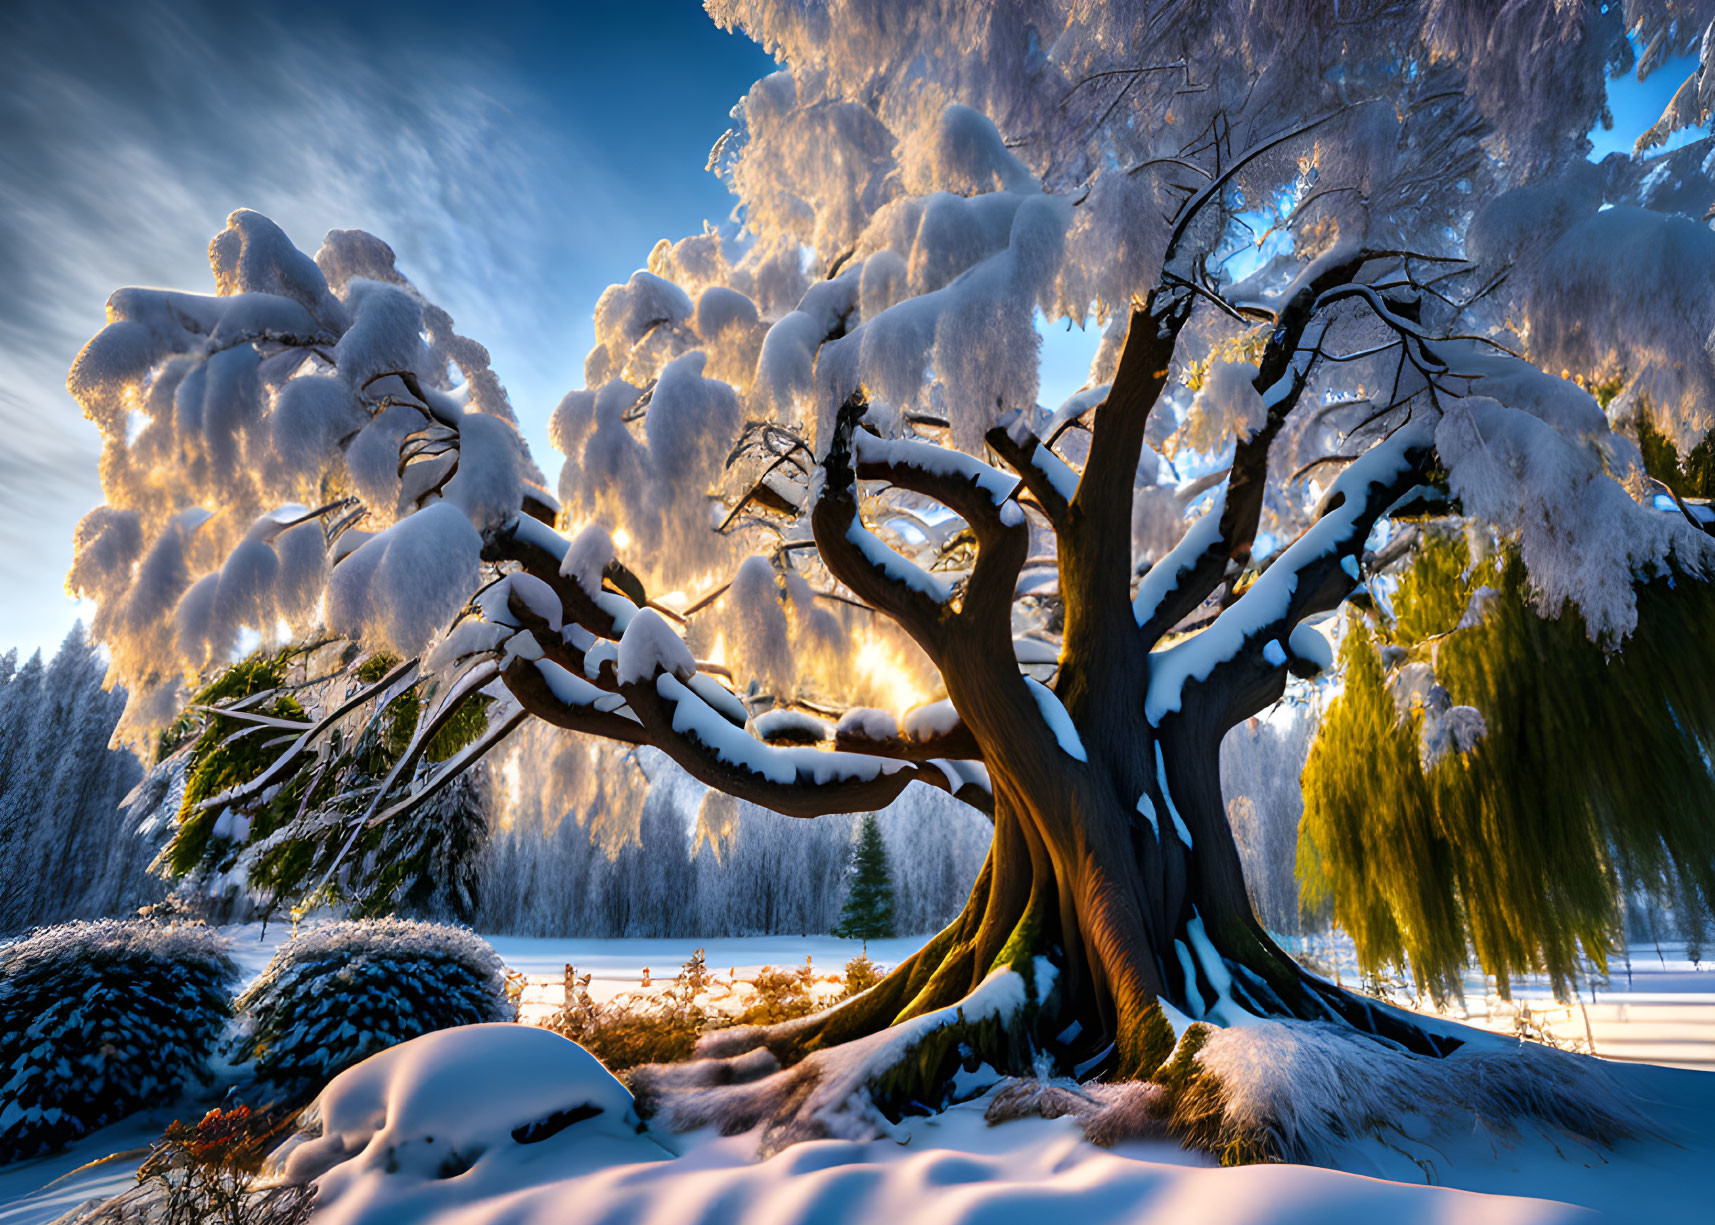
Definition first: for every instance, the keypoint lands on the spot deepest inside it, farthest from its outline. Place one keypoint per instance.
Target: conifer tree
(868, 912)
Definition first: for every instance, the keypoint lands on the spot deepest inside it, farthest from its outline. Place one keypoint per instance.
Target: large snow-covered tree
(816, 541)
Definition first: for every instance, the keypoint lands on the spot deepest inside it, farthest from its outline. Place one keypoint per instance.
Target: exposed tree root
(1293, 1091)
(859, 1087)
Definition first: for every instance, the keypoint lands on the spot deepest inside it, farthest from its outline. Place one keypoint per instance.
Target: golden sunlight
(886, 675)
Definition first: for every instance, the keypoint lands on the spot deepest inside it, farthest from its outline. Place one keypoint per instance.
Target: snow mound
(1303, 1092)
(429, 1133)
(466, 1104)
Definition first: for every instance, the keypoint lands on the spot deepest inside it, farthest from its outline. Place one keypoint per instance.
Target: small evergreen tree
(868, 912)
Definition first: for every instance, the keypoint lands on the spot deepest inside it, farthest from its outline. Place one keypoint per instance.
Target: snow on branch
(1307, 578)
(555, 695)
(1051, 481)
(938, 471)
(1218, 546)
(911, 596)
(929, 732)
(797, 781)
(550, 557)
(981, 495)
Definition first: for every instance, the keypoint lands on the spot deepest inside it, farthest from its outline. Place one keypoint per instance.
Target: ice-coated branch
(449, 770)
(1239, 663)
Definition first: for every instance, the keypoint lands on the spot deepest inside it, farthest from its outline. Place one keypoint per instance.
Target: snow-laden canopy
(1369, 225)
(816, 540)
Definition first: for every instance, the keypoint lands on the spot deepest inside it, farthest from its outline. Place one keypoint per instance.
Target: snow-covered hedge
(337, 994)
(100, 1019)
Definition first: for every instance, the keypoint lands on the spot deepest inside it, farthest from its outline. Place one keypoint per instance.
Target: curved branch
(1238, 665)
(797, 781)
(1222, 549)
(541, 551)
(919, 602)
(1051, 481)
(555, 695)
(982, 496)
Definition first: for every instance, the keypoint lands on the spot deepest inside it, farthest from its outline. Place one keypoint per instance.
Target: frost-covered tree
(67, 835)
(562, 856)
(1341, 255)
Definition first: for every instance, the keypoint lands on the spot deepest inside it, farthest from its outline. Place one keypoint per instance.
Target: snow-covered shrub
(336, 995)
(101, 1019)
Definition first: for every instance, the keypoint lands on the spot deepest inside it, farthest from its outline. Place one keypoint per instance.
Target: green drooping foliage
(310, 836)
(1592, 776)
(227, 751)
(1690, 477)
(337, 994)
(868, 912)
(98, 1020)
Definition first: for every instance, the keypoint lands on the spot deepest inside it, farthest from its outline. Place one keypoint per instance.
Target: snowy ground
(954, 1169)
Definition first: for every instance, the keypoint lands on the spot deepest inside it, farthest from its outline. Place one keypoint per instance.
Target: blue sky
(519, 159)
(518, 156)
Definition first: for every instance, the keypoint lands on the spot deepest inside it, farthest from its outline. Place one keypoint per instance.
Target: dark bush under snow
(337, 994)
(101, 1019)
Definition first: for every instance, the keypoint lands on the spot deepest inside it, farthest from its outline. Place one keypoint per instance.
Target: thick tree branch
(953, 741)
(555, 695)
(541, 551)
(1051, 481)
(1223, 548)
(919, 602)
(983, 497)
(798, 781)
(1095, 543)
(1238, 665)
